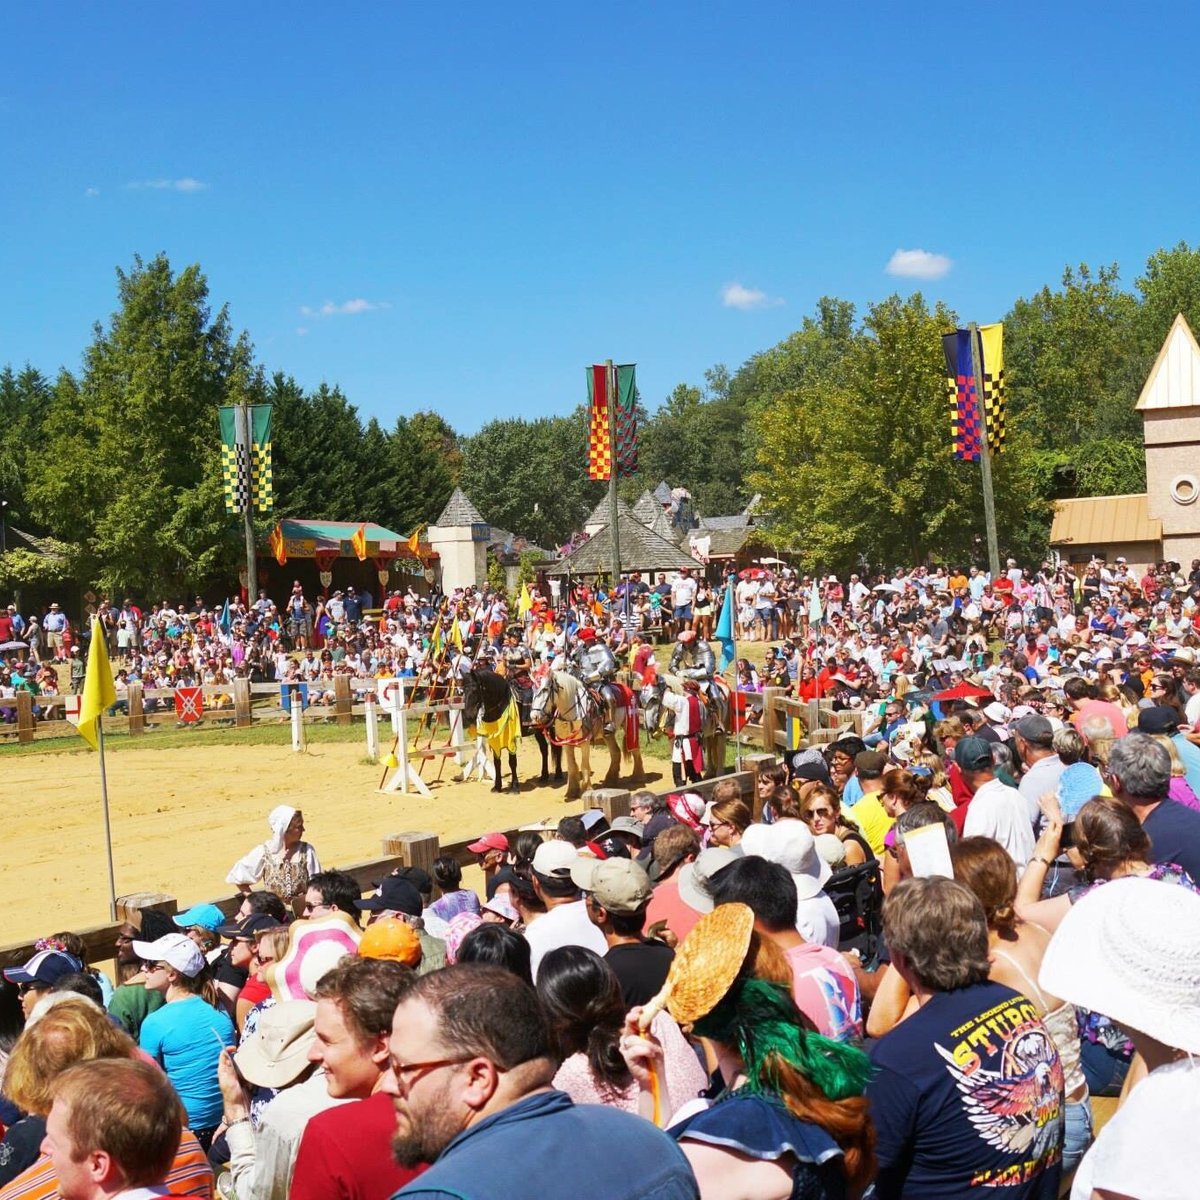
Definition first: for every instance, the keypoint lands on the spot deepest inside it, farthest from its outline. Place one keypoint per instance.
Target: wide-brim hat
(694, 876)
(315, 947)
(1130, 950)
(790, 844)
(276, 1054)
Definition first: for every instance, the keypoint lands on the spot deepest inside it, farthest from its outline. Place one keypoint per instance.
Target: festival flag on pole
(359, 542)
(435, 640)
(966, 425)
(414, 542)
(625, 414)
(724, 633)
(991, 366)
(814, 604)
(261, 487)
(524, 602)
(278, 544)
(235, 470)
(456, 634)
(99, 693)
(225, 624)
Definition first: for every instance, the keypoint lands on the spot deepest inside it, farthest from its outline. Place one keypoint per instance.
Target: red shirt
(346, 1154)
(665, 905)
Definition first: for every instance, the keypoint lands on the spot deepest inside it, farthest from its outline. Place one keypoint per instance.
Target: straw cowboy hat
(1130, 950)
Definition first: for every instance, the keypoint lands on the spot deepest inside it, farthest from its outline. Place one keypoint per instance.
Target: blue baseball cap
(207, 916)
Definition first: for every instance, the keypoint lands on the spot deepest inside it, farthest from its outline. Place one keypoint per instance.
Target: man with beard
(471, 1064)
(343, 1154)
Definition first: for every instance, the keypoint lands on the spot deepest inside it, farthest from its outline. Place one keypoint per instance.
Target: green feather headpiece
(760, 1019)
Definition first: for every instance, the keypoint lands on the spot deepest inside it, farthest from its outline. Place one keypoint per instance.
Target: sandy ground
(182, 816)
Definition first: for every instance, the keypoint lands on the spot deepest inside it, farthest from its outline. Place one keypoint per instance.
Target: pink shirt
(1101, 708)
(685, 1077)
(826, 991)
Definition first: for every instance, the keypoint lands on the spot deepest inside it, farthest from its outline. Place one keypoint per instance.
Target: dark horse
(486, 695)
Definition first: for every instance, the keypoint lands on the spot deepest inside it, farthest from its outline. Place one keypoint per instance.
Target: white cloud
(918, 264)
(92, 191)
(737, 295)
(348, 308)
(186, 184)
(302, 331)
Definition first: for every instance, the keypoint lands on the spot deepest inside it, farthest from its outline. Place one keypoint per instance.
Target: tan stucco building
(1164, 521)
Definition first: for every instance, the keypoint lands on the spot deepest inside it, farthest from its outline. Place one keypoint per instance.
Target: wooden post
(754, 764)
(129, 908)
(414, 849)
(137, 720)
(25, 724)
(372, 719)
(812, 716)
(770, 720)
(242, 718)
(342, 699)
(612, 802)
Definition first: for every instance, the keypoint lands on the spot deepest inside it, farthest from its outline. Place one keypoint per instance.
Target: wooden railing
(239, 705)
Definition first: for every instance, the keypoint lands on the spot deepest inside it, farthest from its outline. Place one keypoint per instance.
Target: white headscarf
(279, 819)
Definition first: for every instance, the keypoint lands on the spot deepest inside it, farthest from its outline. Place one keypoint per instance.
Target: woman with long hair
(791, 1119)
(776, 799)
(727, 820)
(821, 811)
(1106, 841)
(186, 1036)
(581, 996)
(1016, 949)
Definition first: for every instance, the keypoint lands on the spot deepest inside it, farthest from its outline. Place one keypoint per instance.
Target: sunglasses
(818, 812)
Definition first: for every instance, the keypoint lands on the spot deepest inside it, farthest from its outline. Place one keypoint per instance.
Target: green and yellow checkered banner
(246, 458)
(260, 458)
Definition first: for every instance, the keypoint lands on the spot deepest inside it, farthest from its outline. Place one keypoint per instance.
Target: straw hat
(1130, 950)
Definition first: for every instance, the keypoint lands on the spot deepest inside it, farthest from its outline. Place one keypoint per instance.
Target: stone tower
(1170, 408)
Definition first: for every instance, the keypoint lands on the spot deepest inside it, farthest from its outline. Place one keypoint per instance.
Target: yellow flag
(456, 635)
(525, 603)
(98, 690)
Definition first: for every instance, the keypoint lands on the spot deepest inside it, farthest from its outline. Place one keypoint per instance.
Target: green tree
(1170, 285)
(436, 432)
(856, 459)
(530, 477)
(417, 481)
(25, 399)
(131, 468)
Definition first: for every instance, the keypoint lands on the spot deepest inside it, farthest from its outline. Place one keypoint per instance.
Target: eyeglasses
(417, 1069)
(818, 812)
(311, 910)
(24, 989)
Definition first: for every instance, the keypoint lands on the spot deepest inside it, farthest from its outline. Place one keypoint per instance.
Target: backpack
(857, 894)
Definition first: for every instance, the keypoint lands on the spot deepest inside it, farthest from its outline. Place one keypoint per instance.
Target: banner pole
(112, 881)
(985, 456)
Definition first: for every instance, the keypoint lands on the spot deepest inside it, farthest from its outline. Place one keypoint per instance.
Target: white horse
(714, 726)
(563, 706)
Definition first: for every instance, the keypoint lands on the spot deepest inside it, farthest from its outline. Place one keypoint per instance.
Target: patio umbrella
(12, 646)
(962, 691)
(885, 587)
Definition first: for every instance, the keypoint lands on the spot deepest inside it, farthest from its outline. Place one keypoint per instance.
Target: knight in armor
(693, 658)
(592, 659)
(516, 656)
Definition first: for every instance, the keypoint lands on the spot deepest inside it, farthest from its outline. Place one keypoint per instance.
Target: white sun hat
(1130, 950)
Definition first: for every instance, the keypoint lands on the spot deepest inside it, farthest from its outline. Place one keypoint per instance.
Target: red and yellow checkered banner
(624, 413)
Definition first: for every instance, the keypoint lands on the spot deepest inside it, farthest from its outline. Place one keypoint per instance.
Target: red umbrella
(963, 691)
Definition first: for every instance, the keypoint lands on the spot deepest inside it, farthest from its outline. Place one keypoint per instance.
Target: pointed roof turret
(459, 511)
(1174, 380)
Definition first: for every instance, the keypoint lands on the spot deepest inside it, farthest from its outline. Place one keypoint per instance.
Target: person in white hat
(790, 843)
(1131, 950)
(566, 922)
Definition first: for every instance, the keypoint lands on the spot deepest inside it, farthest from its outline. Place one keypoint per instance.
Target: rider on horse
(693, 659)
(592, 660)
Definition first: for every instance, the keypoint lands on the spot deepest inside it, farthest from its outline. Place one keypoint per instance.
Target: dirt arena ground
(181, 816)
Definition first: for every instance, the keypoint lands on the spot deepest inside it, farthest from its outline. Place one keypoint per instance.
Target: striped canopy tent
(326, 541)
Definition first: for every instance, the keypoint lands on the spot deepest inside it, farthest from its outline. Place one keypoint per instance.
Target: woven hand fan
(705, 965)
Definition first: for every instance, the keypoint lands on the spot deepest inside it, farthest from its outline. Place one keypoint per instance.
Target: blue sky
(460, 206)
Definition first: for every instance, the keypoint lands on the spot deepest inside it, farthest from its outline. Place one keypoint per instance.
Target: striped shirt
(190, 1175)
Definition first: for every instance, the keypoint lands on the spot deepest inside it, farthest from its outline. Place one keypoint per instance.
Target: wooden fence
(239, 705)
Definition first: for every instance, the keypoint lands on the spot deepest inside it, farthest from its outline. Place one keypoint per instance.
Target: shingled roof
(601, 512)
(641, 550)
(662, 493)
(459, 511)
(646, 508)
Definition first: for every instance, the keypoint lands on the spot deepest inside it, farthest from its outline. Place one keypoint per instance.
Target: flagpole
(985, 455)
(112, 880)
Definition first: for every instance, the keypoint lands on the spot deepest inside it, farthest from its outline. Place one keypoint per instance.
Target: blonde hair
(71, 1032)
(1177, 767)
